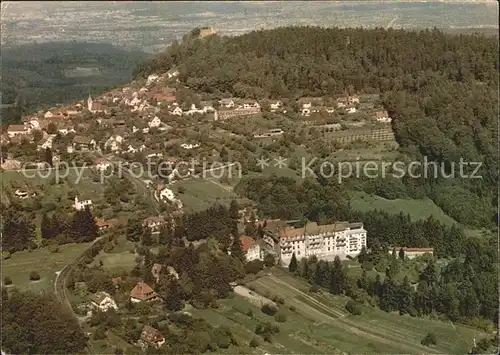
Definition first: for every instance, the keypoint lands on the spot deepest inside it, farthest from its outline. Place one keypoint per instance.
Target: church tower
(89, 103)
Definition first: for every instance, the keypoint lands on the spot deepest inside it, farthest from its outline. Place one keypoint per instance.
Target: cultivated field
(318, 323)
(418, 209)
(20, 264)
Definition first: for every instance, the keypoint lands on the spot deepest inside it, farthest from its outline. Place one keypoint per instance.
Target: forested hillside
(41, 75)
(440, 90)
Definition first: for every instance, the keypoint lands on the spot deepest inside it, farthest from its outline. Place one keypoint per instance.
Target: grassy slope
(41, 260)
(320, 324)
(418, 209)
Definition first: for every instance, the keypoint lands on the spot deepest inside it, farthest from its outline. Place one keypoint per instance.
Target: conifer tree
(233, 216)
(18, 231)
(338, 278)
(46, 227)
(134, 229)
(147, 238)
(292, 267)
(48, 156)
(237, 250)
(402, 254)
(405, 299)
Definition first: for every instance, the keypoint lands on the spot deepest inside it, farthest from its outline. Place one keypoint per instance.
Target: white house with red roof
(251, 248)
(102, 164)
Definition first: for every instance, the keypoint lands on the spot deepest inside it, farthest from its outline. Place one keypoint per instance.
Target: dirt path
(305, 295)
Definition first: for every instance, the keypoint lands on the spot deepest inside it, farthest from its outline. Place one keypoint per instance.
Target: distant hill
(40, 75)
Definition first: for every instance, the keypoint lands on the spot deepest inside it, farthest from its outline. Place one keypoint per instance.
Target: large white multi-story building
(324, 241)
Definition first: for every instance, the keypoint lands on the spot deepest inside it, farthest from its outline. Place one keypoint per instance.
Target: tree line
(464, 290)
(19, 230)
(38, 324)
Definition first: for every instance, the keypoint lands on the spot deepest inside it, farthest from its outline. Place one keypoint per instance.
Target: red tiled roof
(247, 243)
(143, 292)
(100, 161)
(151, 334)
(102, 223)
(381, 114)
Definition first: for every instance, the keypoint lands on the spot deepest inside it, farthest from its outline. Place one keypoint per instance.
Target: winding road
(61, 289)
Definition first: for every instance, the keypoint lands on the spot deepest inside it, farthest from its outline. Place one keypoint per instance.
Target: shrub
(367, 266)
(292, 308)
(429, 339)
(250, 313)
(279, 300)
(34, 276)
(280, 317)
(254, 342)
(269, 309)
(54, 248)
(253, 266)
(6, 255)
(354, 308)
(7, 281)
(269, 260)
(108, 247)
(314, 288)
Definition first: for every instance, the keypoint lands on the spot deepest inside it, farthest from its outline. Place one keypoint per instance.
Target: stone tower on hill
(207, 31)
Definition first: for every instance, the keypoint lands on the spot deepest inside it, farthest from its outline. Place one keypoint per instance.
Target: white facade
(152, 78)
(103, 302)
(227, 103)
(65, 130)
(168, 194)
(102, 165)
(275, 106)
(253, 253)
(190, 145)
(21, 194)
(155, 122)
(411, 253)
(325, 242)
(80, 205)
(177, 111)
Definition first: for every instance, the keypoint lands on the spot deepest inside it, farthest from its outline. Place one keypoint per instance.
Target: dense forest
(40, 75)
(38, 324)
(440, 90)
